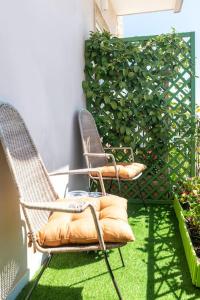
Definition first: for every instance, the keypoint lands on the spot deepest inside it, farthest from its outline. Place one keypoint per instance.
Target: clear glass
(80, 194)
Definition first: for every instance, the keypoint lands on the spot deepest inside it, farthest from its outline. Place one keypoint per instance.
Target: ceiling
(129, 7)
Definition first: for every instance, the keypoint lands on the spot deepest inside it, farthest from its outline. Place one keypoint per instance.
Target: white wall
(41, 70)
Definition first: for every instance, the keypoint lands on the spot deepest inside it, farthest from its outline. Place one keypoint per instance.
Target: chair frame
(32, 182)
(108, 156)
(72, 207)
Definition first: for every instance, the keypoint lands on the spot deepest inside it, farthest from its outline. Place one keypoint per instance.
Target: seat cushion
(125, 170)
(79, 228)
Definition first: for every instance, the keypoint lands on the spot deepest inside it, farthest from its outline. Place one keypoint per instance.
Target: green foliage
(188, 193)
(127, 88)
(139, 91)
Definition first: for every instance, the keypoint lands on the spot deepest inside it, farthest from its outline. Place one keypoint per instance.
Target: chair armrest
(82, 172)
(108, 155)
(67, 207)
(73, 172)
(95, 154)
(122, 148)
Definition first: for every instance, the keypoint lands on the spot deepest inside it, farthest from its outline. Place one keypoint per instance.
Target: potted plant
(187, 209)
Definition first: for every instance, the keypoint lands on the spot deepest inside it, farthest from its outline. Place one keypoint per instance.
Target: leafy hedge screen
(139, 92)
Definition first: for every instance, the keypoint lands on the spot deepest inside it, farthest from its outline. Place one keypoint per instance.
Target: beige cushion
(125, 170)
(70, 228)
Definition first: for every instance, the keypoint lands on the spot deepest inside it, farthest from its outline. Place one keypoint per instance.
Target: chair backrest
(29, 174)
(90, 139)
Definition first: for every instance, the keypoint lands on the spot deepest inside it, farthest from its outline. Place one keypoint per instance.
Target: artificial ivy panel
(141, 94)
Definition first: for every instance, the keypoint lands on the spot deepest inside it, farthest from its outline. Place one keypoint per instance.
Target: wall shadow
(13, 250)
(77, 182)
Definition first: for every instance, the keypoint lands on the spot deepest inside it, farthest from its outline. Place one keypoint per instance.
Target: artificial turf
(156, 266)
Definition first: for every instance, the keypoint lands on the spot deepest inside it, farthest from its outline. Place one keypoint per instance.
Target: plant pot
(192, 259)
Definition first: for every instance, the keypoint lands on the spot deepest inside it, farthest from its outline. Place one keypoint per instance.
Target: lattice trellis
(177, 158)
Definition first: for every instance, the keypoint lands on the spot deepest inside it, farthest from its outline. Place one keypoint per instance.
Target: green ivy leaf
(128, 131)
(85, 85)
(89, 94)
(122, 102)
(131, 74)
(136, 69)
(127, 139)
(113, 105)
(107, 99)
(122, 85)
(122, 129)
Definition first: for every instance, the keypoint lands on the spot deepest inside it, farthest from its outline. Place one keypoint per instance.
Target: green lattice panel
(198, 149)
(177, 158)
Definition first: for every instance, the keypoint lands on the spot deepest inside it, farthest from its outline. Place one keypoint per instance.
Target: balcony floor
(156, 266)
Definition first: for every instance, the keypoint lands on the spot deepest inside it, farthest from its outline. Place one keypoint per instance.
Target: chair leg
(91, 185)
(45, 265)
(65, 191)
(119, 186)
(122, 260)
(141, 196)
(112, 275)
(110, 187)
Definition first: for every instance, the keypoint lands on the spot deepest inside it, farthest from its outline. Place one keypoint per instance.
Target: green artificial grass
(156, 266)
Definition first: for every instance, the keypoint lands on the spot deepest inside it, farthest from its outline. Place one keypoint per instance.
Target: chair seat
(125, 170)
(79, 228)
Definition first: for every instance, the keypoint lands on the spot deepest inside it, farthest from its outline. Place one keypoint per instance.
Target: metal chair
(96, 156)
(36, 193)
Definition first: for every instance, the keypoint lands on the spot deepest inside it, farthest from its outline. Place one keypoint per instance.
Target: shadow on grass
(73, 260)
(167, 270)
(65, 262)
(165, 274)
(44, 292)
